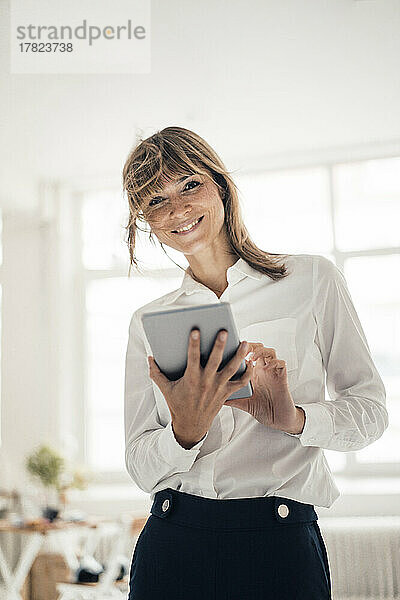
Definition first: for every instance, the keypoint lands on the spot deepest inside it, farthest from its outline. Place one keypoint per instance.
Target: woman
(234, 483)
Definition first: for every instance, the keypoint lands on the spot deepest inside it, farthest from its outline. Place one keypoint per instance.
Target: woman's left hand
(271, 403)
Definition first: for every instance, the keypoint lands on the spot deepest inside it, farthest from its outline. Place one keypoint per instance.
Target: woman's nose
(179, 208)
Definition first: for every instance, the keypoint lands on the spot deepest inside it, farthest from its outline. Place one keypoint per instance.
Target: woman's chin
(194, 247)
(187, 246)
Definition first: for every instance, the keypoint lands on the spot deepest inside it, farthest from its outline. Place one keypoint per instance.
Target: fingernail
(222, 335)
(195, 334)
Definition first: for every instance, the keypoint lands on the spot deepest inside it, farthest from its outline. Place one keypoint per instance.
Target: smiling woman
(174, 178)
(234, 482)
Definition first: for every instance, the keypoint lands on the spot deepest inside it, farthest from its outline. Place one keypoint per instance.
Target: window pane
(288, 211)
(104, 214)
(110, 304)
(368, 204)
(375, 288)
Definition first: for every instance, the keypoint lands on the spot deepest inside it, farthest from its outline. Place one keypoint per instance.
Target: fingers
(253, 346)
(275, 363)
(263, 358)
(193, 359)
(156, 375)
(273, 367)
(262, 352)
(215, 358)
(243, 379)
(232, 366)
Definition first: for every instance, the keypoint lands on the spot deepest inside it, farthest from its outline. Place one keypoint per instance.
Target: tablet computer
(168, 334)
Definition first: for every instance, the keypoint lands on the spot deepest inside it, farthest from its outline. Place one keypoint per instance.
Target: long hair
(176, 151)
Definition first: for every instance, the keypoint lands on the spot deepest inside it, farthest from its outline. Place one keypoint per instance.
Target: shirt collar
(235, 273)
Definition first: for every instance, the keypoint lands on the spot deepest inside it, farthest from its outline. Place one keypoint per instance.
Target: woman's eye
(193, 181)
(155, 201)
(158, 199)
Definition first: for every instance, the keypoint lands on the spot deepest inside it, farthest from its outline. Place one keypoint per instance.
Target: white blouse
(309, 318)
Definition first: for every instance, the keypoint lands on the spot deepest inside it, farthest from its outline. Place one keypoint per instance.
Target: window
(111, 298)
(288, 211)
(347, 212)
(110, 303)
(375, 285)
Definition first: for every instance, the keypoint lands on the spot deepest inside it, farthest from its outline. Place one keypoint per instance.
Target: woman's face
(194, 202)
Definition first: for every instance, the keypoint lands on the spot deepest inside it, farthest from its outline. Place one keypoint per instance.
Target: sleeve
(356, 415)
(151, 451)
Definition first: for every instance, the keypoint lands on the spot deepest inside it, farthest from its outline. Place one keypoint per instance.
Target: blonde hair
(176, 151)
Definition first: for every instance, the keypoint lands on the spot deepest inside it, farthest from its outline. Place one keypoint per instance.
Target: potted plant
(56, 477)
(46, 465)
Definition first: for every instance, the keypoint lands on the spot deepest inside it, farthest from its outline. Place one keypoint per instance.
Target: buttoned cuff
(318, 427)
(173, 453)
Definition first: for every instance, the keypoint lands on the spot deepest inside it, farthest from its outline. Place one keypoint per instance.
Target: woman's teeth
(188, 227)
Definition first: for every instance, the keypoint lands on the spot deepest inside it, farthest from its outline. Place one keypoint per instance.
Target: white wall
(41, 390)
(24, 409)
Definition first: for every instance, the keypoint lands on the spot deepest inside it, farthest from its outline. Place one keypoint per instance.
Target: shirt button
(283, 511)
(165, 505)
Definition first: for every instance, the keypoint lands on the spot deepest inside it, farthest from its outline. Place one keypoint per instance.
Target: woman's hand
(196, 398)
(271, 403)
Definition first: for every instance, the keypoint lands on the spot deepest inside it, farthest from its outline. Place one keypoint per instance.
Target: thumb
(156, 375)
(242, 403)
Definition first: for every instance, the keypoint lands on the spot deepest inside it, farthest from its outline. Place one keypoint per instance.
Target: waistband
(235, 513)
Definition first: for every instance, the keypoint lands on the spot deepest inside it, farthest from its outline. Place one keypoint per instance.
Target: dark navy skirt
(237, 549)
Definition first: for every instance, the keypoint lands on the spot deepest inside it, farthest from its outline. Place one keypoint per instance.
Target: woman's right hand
(196, 398)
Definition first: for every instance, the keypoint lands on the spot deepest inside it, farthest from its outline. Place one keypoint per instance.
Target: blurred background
(301, 101)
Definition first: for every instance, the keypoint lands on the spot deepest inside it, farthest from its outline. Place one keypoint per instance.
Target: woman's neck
(213, 273)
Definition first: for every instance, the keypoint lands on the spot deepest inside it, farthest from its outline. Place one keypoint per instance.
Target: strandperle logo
(80, 36)
(91, 33)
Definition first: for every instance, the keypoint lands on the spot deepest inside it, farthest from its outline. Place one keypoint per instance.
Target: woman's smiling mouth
(188, 228)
